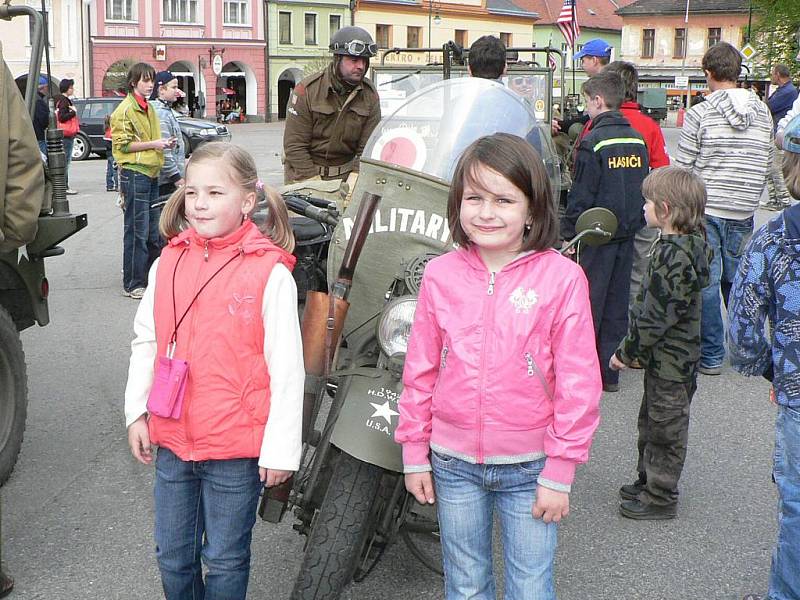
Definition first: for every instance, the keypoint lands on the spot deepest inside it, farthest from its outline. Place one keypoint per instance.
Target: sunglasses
(357, 48)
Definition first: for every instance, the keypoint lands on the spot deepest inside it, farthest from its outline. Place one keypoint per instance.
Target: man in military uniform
(331, 114)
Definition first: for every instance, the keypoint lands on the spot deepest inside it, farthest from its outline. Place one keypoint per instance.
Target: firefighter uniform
(327, 126)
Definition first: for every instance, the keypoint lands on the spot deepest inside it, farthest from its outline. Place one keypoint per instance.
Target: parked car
(93, 111)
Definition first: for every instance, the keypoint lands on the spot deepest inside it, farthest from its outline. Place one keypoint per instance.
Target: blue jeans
(112, 180)
(467, 496)
(68, 143)
(204, 509)
(784, 578)
(142, 241)
(727, 239)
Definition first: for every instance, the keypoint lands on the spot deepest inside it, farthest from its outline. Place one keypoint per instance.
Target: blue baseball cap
(42, 80)
(596, 47)
(791, 136)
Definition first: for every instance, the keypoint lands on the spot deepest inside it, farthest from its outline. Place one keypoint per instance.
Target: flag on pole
(568, 23)
(551, 62)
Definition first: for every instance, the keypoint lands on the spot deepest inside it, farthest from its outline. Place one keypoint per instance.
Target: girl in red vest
(218, 323)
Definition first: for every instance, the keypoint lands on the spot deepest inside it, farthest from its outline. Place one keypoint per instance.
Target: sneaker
(631, 491)
(71, 192)
(111, 189)
(715, 370)
(136, 293)
(633, 509)
(611, 387)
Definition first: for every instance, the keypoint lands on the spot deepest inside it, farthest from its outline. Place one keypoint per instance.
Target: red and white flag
(568, 22)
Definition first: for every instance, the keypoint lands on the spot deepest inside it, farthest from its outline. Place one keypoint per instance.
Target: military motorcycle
(348, 496)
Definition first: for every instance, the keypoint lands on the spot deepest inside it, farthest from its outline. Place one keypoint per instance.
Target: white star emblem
(383, 410)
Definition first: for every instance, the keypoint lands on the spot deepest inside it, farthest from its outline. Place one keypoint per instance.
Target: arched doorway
(186, 82)
(22, 82)
(237, 84)
(114, 81)
(286, 82)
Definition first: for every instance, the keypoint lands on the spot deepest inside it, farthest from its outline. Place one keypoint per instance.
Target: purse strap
(173, 340)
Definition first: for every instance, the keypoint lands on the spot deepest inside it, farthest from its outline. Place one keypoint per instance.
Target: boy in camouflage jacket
(664, 335)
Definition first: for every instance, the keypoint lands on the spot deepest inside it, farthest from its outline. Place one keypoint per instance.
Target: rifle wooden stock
(325, 314)
(361, 225)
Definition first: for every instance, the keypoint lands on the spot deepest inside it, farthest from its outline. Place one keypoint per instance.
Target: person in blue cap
(767, 289)
(41, 115)
(594, 56)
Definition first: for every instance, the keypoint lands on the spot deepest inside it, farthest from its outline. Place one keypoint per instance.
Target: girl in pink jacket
(501, 380)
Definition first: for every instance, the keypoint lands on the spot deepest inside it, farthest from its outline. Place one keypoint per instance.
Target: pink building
(217, 49)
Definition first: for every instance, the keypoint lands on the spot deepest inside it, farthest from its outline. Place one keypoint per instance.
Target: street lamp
(431, 20)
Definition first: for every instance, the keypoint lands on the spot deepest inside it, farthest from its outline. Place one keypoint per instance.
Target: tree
(775, 23)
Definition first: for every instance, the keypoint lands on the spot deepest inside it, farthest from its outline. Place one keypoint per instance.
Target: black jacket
(41, 116)
(610, 167)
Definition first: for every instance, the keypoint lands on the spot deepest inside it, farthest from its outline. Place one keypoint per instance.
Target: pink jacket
(502, 367)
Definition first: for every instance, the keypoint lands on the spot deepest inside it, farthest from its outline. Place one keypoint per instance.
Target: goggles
(356, 48)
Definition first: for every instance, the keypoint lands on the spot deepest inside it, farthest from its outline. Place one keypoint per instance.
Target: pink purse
(169, 386)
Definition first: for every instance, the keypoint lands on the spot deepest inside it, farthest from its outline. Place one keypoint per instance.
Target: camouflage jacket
(664, 330)
(767, 286)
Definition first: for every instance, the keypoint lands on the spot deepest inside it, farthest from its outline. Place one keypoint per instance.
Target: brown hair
(629, 76)
(723, 62)
(516, 160)
(242, 169)
(607, 85)
(791, 173)
(138, 72)
(683, 192)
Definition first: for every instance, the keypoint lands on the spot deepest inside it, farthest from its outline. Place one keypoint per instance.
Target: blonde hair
(791, 173)
(680, 190)
(242, 169)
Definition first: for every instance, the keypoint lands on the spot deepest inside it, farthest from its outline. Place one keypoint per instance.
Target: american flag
(568, 22)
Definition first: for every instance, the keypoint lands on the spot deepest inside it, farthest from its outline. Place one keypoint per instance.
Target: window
(284, 28)
(235, 12)
(679, 49)
(179, 11)
(383, 35)
(714, 36)
(311, 29)
(461, 38)
(119, 10)
(506, 39)
(413, 37)
(334, 23)
(648, 43)
(47, 21)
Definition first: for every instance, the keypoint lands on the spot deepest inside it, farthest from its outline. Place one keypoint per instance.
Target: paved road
(77, 520)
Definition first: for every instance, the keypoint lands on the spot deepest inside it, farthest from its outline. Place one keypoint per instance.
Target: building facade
(299, 34)
(66, 30)
(658, 38)
(217, 48)
(430, 24)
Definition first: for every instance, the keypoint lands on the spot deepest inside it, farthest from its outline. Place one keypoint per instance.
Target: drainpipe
(88, 64)
(353, 12)
(268, 75)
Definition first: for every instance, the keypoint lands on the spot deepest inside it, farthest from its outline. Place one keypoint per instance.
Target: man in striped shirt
(728, 142)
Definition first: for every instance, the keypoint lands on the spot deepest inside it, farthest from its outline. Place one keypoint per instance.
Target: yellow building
(430, 24)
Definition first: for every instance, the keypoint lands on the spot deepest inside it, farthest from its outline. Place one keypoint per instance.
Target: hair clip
(260, 185)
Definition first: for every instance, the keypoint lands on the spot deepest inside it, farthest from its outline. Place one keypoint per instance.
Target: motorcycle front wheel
(341, 529)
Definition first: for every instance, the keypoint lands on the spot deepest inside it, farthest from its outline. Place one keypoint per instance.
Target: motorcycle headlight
(394, 326)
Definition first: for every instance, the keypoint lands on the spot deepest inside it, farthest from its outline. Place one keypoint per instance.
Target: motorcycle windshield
(429, 131)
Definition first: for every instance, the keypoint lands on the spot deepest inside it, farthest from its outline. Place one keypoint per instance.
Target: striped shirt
(728, 142)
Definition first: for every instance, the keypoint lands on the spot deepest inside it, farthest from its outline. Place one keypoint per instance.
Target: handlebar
(596, 231)
(304, 206)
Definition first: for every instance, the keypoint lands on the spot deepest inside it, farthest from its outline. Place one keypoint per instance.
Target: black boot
(634, 509)
(631, 491)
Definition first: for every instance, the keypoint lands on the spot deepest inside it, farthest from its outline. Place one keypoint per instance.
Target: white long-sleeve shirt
(283, 352)
(793, 112)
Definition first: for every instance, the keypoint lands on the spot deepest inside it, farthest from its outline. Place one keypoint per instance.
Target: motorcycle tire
(345, 522)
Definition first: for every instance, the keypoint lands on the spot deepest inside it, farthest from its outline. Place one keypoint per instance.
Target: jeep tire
(13, 395)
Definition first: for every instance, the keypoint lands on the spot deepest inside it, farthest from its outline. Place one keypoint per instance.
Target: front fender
(368, 417)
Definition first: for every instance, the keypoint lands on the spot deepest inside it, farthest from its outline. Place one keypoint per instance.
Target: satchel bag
(70, 127)
(169, 379)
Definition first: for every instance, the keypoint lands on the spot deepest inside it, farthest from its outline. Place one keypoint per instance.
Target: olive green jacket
(22, 182)
(326, 129)
(129, 123)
